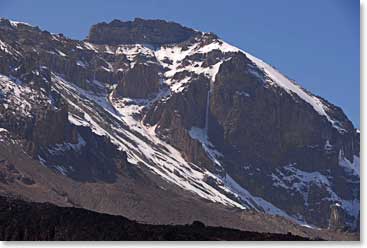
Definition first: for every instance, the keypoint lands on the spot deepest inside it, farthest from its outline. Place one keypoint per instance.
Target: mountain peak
(12, 24)
(156, 32)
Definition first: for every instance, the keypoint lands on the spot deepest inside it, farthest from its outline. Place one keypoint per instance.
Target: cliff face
(139, 31)
(196, 112)
(141, 81)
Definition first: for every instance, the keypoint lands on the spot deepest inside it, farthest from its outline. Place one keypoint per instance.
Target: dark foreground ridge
(20, 221)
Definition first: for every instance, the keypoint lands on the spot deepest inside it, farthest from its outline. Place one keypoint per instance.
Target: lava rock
(21, 221)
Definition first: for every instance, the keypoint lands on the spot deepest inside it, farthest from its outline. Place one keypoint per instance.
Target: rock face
(270, 127)
(141, 81)
(337, 218)
(49, 116)
(148, 97)
(155, 32)
(175, 117)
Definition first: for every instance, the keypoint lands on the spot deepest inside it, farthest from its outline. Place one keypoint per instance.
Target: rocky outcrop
(155, 32)
(51, 126)
(175, 117)
(90, 158)
(141, 81)
(337, 219)
(41, 120)
(26, 48)
(190, 104)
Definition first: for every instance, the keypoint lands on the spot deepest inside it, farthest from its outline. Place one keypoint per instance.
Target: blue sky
(315, 42)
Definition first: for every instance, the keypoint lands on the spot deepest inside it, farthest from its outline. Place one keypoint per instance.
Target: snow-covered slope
(145, 148)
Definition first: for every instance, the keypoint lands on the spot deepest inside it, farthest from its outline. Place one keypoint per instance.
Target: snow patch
(81, 63)
(60, 53)
(200, 135)
(61, 148)
(3, 130)
(352, 168)
(16, 23)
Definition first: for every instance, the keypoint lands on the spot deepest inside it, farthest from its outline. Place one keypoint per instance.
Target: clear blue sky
(315, 42)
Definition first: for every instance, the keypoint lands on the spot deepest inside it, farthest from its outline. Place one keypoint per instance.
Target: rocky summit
(139, 31)
(166, 125)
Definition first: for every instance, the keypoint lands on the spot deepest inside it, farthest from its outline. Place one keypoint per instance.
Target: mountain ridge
(83, 225)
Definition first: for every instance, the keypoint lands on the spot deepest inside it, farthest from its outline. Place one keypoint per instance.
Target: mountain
(165, 124)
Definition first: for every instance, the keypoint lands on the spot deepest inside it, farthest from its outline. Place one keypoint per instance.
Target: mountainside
(165, 124)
